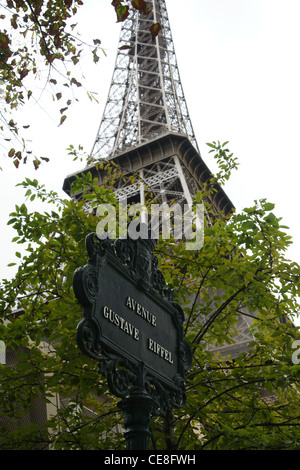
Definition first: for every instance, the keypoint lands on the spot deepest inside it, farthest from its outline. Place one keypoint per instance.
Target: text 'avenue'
(124, 325)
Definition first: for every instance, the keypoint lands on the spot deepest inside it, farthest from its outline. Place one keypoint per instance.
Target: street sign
(130, 323)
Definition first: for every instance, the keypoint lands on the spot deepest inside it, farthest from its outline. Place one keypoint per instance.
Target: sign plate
(127, 315)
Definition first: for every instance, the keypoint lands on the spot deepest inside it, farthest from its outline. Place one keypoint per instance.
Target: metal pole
(137, 407)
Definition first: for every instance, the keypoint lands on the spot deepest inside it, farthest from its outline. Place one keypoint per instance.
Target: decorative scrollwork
(159, 281)
(186, 355)
(97, 248)
(124, 251)
(118, 375)
(87, 335)
(179, 313)
(177, 397)
(166, 397)
(122, 376)
(85, 283)
(137, 255)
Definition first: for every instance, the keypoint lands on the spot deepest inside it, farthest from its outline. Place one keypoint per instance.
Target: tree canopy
(245, 402)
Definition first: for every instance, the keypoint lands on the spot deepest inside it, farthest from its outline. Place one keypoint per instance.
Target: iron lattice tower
(146, 129)
(146, 97)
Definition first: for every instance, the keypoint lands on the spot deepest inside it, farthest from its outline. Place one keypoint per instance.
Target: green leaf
(121, 10)
(269, 207)
(248, 225)
(62, 120)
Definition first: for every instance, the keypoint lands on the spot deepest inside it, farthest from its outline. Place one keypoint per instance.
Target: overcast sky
(239, 66)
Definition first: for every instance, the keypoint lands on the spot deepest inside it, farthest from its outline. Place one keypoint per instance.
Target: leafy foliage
(245, 402)
(37, 39)
(40, 40)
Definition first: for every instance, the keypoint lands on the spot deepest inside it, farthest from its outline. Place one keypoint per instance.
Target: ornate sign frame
(131, 324)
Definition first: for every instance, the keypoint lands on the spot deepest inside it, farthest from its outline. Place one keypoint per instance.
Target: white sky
(239, 65)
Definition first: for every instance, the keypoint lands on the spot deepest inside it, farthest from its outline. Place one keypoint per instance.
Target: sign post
(134, 329)
(137, 408)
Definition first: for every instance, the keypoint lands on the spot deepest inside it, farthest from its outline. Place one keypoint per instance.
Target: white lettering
(160, 351)
(106, 228)
(295, 356)
(115, 460)
(171, 459)
(121, 323)
(141, 311)
(2, 353)
(105, 312)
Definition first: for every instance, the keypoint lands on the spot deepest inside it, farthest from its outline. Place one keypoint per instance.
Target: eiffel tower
(146, 128)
